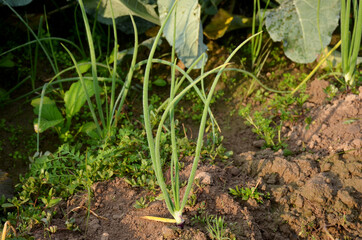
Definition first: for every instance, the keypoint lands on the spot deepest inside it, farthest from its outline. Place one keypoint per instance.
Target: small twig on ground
(76, 208)
(327, 232)
(257, 184)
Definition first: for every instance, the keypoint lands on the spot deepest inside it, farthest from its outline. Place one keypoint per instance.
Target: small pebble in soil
(259, 143)
(117, 216)
(105, 236)
(235, 171)
(299, 202)
(346, 198)
(168, 232)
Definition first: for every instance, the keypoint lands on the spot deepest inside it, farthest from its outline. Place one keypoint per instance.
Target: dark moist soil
(315, 194)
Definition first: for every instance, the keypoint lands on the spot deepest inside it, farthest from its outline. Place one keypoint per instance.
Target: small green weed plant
(217, 228)
(247, 193)
(282, 107)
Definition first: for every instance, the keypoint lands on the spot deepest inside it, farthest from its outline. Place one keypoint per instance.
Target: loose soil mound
(335, 126)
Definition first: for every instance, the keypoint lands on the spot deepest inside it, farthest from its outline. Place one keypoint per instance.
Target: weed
(268, 121)
(200, 217)
(140, 203)
(307, 229)
(246, 193)
(194, 110)
(261, 125)
(331, 92)
(216, 228)
(308, 120)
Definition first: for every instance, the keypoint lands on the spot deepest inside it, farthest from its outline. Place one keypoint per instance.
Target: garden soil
(314, 194)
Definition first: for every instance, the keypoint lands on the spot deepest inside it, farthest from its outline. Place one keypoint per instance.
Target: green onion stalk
(351, 41)
(175, 203)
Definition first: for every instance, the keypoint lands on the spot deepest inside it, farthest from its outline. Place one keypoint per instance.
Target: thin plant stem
(39, 118)
(114, 73)
(146, 113)
(316, 67)
(94, 66)
(77, 29)
(34, 35)
(174, 156)
(123, 94)
(42, 39)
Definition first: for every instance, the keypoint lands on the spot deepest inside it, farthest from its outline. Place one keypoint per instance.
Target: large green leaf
(7, 61)
(295, 23)
(16, 3)
(50, 114)
(75, 97)
(140, 8)
(90, 129)
(49, 109)
(189, 37)
(45, 124)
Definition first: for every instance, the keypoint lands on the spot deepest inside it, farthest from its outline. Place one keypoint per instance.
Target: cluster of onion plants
(351, 41)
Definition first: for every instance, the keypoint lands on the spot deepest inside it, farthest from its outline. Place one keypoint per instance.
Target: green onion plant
(351, 41)
(174, 202)
(258, 54)
(114, 107)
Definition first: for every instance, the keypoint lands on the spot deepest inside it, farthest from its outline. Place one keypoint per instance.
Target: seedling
(141, 203)
(216, 228)
(331, 91)
(246, 193)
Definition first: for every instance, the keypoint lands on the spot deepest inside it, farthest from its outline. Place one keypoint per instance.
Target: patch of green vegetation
(56, 176)
(331, 91)
(277, 58)
(280, 108)
(141, 203)
(215, 226)
(247, 193)
(17, 139)
(194, 110)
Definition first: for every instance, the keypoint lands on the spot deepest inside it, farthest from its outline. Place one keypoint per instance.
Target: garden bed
(277, 165)
(313, 194)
